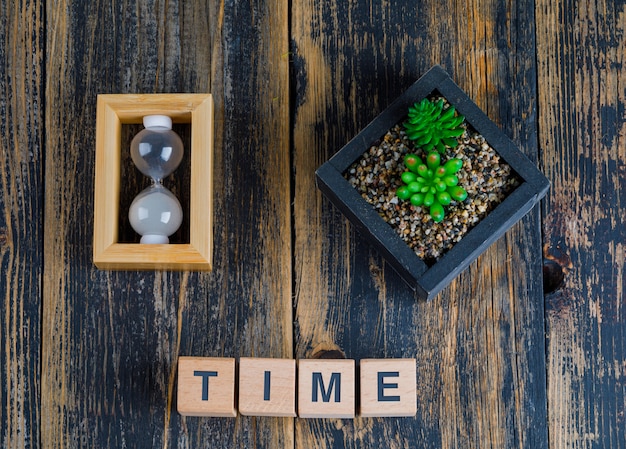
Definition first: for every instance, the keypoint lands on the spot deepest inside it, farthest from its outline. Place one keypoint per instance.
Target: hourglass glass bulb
(157, 150)
(155, 214)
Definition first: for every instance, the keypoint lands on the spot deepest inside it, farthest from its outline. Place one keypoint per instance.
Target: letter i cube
(267, 387)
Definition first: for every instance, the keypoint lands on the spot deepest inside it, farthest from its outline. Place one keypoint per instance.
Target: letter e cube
(388, 387)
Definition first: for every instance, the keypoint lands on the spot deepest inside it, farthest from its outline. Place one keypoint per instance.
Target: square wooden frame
(115, 110)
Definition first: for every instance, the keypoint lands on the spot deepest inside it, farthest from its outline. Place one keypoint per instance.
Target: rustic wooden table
(88, 357)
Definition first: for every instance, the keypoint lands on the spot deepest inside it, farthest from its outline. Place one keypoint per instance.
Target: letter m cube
(326, 388)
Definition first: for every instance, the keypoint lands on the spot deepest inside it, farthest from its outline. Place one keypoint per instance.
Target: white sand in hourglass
(155, 213)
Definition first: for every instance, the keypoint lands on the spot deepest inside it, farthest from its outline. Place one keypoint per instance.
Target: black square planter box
(429, 281)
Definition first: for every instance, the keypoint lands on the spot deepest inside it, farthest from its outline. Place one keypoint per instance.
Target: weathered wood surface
(480, 344)
(111, 339)
(582, 110)
(88, 356)
(21, 191)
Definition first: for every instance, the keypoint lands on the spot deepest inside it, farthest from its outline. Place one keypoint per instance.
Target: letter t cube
(206, 386)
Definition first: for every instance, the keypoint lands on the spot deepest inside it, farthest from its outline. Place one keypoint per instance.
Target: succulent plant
(432, 127)
(431, 184)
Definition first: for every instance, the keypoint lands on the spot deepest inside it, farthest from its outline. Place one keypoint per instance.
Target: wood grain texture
(88, 357)
(582, 106)
(111, 339)
(479, 345)
(21, 191)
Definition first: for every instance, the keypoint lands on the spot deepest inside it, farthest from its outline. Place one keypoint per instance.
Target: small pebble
(430, 240)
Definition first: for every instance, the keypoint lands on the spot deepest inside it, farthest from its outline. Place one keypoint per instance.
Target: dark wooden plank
(582, 105)
(111, 339)
(480, 344)
(21, 202)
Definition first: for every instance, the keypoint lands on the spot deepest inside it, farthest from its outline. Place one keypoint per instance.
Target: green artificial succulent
(431, 127)
(431, 184)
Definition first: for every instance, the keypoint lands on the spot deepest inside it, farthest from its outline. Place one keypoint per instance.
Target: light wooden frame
(115, 110)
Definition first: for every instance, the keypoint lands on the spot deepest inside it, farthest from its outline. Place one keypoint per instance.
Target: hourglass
(155, 213)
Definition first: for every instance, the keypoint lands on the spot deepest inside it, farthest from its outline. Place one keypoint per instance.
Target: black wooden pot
(428, 281)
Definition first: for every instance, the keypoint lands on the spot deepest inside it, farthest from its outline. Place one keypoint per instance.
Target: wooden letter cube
(267, 387)
(388, 387)
(326, 388)
(206, 386)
